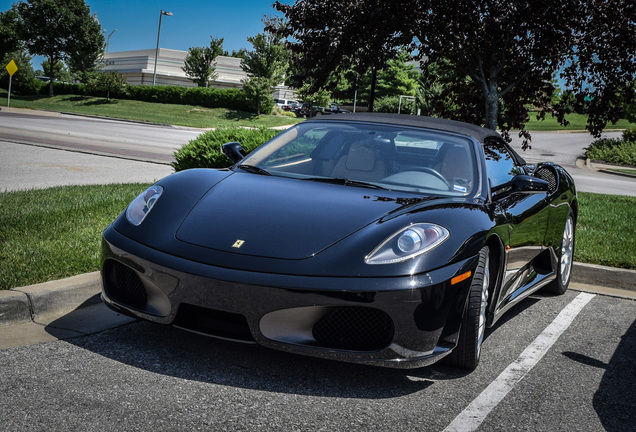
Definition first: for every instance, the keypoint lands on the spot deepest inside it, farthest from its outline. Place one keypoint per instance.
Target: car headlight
(407, 243)
(141, 206)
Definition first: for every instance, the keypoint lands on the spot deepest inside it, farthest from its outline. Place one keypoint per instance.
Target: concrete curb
(591, 274)
(49, 300)
(46, 301)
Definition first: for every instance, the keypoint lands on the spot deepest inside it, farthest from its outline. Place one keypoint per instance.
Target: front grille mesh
(354, 328)
(124, 286)
(548, 175)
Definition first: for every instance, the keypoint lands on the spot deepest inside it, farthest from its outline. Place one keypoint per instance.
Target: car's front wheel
(471, 335)
(566, 259)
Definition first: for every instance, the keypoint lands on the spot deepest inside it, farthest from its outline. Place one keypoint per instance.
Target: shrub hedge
(210, 97)
(205, 150)
(620, 151)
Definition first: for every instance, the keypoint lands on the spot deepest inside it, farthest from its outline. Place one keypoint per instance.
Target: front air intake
(354, 328)
(123, 285)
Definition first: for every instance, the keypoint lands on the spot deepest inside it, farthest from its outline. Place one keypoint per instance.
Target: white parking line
(476, 412)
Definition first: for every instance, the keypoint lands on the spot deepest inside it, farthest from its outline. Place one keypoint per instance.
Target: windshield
(358, 154)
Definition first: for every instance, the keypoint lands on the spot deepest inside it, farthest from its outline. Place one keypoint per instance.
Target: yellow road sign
(12, 68)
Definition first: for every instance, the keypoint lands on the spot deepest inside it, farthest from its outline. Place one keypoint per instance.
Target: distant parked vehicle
(308, 110)
(285, 104)
(334, 108)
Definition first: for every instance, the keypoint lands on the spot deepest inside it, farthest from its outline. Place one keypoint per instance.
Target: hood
(284, 218)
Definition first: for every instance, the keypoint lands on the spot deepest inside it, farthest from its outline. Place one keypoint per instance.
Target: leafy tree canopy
(266, 65)
(9, 40)
(60, 30)
(199, 63)
(269, 57)
(498, 56)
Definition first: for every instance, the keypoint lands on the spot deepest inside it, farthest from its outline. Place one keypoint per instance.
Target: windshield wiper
(254, 169)
(346, 182)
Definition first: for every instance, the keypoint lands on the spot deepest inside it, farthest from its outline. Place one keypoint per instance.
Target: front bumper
(400, 322)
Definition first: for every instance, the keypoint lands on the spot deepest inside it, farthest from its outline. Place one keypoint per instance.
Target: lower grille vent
(213, 322)
(354, 328)
(123, 285)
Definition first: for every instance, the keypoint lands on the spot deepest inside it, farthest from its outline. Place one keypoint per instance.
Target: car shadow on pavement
(173, 352)
(615, 399)
(166, 350)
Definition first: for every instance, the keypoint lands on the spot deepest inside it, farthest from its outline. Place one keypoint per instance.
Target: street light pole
(161, 14)
(108, 39)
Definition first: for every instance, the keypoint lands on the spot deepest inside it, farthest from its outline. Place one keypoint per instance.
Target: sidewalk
(59, 309)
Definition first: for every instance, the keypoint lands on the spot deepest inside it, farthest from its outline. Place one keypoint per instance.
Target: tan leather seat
(360, 163)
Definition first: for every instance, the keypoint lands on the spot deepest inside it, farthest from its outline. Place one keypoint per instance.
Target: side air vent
(547, 173)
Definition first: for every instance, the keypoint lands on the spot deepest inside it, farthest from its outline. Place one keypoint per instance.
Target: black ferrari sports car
(388, 240)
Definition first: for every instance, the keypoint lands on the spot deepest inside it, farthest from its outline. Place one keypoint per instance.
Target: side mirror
(234, 151)
(521, 184)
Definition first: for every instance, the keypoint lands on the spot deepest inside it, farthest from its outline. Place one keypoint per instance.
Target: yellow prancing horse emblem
(237, 244)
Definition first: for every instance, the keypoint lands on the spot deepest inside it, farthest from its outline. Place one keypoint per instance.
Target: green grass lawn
(623, 171)
(182, 115)
(577, 123)
(55, 233)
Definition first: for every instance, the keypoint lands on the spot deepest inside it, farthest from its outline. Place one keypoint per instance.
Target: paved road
(137, 141)
(553, 364)
(565, 149)
(152, 143)
(25, 167)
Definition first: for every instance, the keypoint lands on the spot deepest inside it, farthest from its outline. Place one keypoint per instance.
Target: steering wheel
(432, 172)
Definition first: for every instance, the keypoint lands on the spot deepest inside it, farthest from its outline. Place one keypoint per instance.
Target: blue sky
(192, 23)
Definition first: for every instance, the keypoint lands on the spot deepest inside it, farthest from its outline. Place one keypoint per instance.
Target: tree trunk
(374, 78)
(51, 74)
(492, 106)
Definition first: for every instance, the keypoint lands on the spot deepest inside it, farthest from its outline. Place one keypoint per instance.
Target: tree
(12, 48)
(499, 55)
(109, 82)
(60, 30)
(241, 53)
(266, 65)
(199, 65)
(23, 81)
(60, 70)
(9, 40)
(268, 58)
(334, 36)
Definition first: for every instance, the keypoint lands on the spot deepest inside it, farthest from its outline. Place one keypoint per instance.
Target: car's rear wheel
(566, 259)
(471, 335)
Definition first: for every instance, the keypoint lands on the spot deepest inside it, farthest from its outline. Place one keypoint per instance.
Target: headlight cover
(141, 206)
(407, 243)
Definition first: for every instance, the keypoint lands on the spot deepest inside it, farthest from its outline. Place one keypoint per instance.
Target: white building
(138, 67)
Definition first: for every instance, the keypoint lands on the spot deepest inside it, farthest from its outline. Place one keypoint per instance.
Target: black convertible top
(477, 132)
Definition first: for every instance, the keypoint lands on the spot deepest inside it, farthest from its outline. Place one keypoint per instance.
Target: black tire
(566, 259)
(471, 335)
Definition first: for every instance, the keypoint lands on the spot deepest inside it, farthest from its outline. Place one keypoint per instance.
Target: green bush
(210, 97)
(233, 99)
(620, 151)
(391, 104)
(205, 150)
(629, 135)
